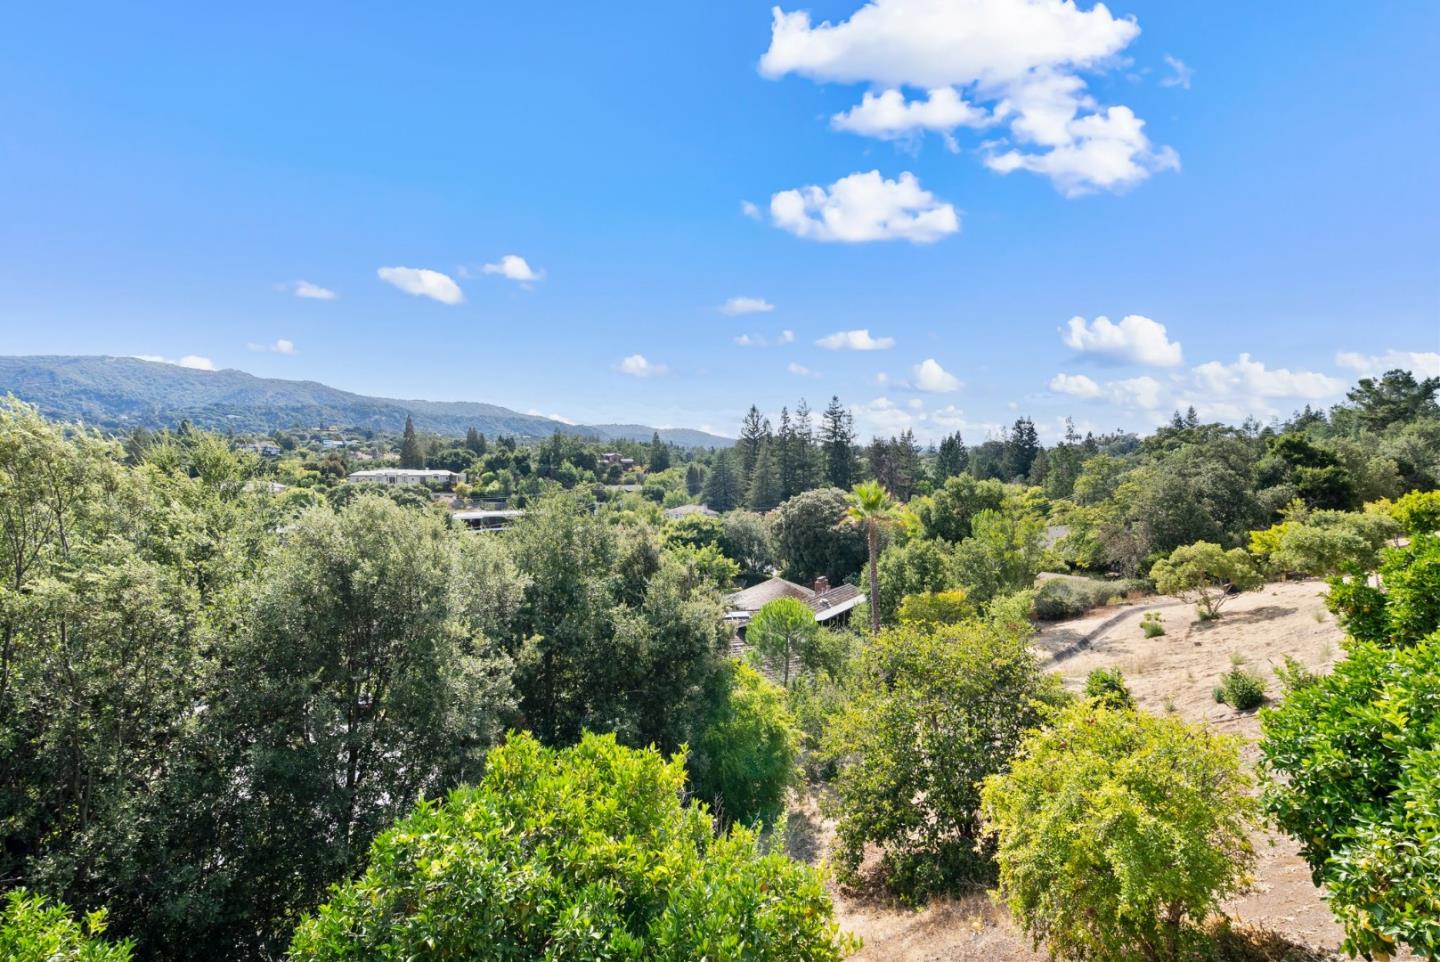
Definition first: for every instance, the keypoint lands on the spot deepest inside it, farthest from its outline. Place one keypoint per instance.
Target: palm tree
(872, 506)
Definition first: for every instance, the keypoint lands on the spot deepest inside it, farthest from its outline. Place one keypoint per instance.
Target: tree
(411, 454)
(951, 459)
(722, 490)
(743, 763)
(1206, 574)
(585, 853)
(659, 454)
(837, 442)
(871, 507)
(754, 435)
(1022, 445)
(1117, 832)
(1396, 396)
(694, 478)
(1406, 608)
(765, 489)
(1353, 766)
(745, 538)
(931, 609)
(475, 442)
(1003, 554)
(34, 929)
(930, 714)
(917, 566)
(812, 537)
(948, 512)
(782, 632)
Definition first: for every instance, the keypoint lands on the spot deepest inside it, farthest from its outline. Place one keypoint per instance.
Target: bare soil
(1176, 672)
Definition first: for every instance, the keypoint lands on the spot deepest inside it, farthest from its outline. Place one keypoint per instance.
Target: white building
(407, 476)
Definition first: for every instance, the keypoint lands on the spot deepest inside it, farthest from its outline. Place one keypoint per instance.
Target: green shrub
(1418, 512)
(1152, 624)
(929, 609)
(1118, 832)
(930, 714)
(1205, 573)
(1241, 689)
(1107, 686)
(585, 853)
(1354, 766)
(1406, 609)
(1293, 675)
(34, 929)
(743, 763)
(783, 635)
(1067, 596)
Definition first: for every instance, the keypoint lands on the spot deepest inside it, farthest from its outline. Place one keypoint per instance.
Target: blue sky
(1252, 185)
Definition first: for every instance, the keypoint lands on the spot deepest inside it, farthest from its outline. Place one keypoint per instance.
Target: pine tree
(951, 459)
(411, 454)
(837, 439)
(1021, 446)
(659, 453)
(764, 490)
(788, 457)
(722, 487)
(694, 479)
(808, 458)
(474, 441)
(752, 435)
(905, 458)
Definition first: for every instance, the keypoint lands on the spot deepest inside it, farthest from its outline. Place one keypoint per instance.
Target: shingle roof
(757, 596)
(835, 601)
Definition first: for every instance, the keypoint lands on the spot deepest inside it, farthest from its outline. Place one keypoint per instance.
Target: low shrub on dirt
(1241, 689)
(1068, 596)
(1152, 625)
(1107, 687)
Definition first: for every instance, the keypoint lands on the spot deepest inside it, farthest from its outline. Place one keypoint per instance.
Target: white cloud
(1247, 378)
(1075, 385)
(308, 290)
(1181, 76)
(278, 346)
(423, 283)
(1420, 363)
(889, 116)
(554, 417)
(637, 366)
(745, 340)
(513, 267)
(1136, 339)
(746, 305)
(194, 362)
(930, 376)
(1024, 56)
(801, 370)
(855, 341)
(865, 207)
(749, 209)
(787, 337)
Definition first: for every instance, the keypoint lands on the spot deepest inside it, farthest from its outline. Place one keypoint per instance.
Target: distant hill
(124, 392)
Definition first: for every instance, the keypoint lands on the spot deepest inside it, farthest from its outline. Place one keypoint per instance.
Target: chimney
(822, 585)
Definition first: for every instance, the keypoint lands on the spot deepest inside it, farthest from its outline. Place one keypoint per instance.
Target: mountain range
(117, 393)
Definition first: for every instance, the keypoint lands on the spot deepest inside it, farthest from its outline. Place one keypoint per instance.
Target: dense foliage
(585, 853)
(1117, 832)
(1206, 574)
(930, 714)
(33, 929)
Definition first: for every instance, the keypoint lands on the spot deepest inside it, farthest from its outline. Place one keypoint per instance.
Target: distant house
(407, 476)
(685, 510)
(263, 448)
(832, 606)
(330, 444)
(611, 457)
(479, 519)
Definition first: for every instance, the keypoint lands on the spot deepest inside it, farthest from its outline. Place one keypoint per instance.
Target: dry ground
(1177, 671)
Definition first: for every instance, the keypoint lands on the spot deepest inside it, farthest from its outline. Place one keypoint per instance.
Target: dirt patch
(1176, 672)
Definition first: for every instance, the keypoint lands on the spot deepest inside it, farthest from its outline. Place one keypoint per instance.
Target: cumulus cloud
(890, 116)
(746, 305)
(928, 375)
(855, 341)
(308, 290)
(1180, 75)
(1136, 340)
(1024, 56)
(787, 337)
(513, 267)
(1419, 363)
(277, 346)
(1075, 385)
(554, 417)
(749, 209)
(801, 370)
(865, 207)
(423, 283)
(636, 365)
(194, 362)
(1248, 378)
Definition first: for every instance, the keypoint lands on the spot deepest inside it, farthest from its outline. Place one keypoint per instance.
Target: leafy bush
(1152, 624)
(933, 608)
(1418, 512)
(744, 759)
(1107, 686)
(1354, 766)
(1241, 689)
(34, 929)
(585, 853)
(1323, 543)
(1118, 831)
(1408, 607)
(1293, 675)
(1205, 574)
(1067, 596)
(931, 713)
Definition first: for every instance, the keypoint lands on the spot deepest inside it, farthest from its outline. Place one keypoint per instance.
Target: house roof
(755, 597)
(685, 510)
(835, 602)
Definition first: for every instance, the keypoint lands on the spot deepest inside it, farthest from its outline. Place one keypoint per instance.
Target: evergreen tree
(837, 441)
(722, 487)
(753, 432)
(807, 457)
(474, 441)
(411, 454)
(659, 453)
(694, 479)
(906, 467)
(1021, 447)
(951, 458)
(788, 457)
(764, 491)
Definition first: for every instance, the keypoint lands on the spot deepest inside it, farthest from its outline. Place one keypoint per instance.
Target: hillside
(123, 392)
